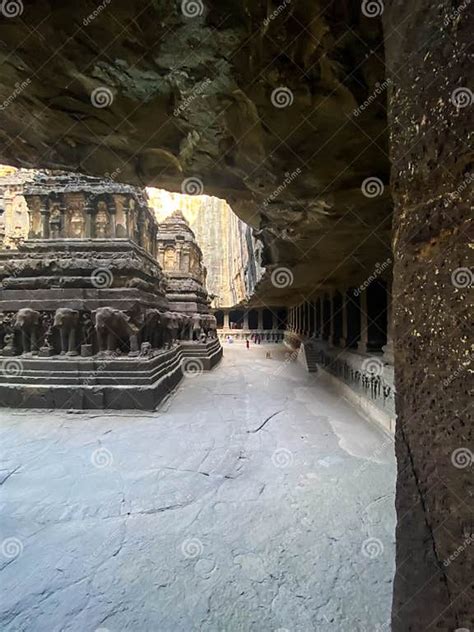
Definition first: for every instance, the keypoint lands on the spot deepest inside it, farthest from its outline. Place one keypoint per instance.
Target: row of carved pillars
(258, 318)
(348, 318)
(91, 210)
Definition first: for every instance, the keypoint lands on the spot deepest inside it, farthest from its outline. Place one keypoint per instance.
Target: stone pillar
(90, 209)
(226, 319)
(246, 320)
(430, 118)
(388, 348)
(45, 224)
(274, 321)
(364, 323)
(318, 320)
(112, 215)
(331, 319)
(260, 318)
(345, 330)
(140, 227)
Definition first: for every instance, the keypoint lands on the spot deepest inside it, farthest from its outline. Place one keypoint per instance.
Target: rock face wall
(430, 119)
(231, 253)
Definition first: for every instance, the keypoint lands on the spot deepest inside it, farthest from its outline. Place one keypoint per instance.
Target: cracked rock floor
(205, 515)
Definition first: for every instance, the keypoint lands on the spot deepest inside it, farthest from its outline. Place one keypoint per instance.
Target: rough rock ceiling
(257, 102)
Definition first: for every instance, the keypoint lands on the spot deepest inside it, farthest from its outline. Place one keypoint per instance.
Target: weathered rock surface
(431, 123)
(265, 108)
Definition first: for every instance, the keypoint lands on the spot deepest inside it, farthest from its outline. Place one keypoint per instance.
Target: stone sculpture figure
(170, 328)
(113, 326)
(27, 321)
(196, 327)
(47, 321)
(205, 325)
(153, 332)
(67, 321)
(7, 335)
(212, 326)
(186, 330)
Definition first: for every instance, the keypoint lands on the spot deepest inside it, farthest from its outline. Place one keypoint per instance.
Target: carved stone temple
(88, 317)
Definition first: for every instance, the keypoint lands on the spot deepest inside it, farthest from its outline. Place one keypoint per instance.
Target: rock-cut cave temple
(235, 315)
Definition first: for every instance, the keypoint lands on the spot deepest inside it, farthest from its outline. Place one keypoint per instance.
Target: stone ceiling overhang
(283, 115)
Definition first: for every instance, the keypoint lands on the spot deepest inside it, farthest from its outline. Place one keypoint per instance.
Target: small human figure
(247, 344)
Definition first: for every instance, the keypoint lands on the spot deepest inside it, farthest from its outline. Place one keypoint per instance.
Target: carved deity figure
(76, 223)
(101, 221)
(169, 262)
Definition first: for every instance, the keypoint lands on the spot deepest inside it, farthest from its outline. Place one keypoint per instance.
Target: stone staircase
(308, 356)
(311, 356)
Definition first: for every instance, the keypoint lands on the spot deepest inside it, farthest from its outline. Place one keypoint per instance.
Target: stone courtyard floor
(254, 500)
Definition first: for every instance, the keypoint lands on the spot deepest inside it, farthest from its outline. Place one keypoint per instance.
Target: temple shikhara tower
(181, 258)
(86, 307)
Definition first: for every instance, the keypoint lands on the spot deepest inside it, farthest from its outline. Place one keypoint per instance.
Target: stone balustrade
(241, 335)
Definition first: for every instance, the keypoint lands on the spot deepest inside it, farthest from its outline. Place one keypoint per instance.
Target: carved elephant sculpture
(67, 321)
(186, 330)
(113, 326)
(196, 326)
(28, 321)
(206, 324)
(212, 326)
(154, 328)
(170, 328)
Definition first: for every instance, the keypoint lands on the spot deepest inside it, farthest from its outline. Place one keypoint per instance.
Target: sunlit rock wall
(231, 254)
